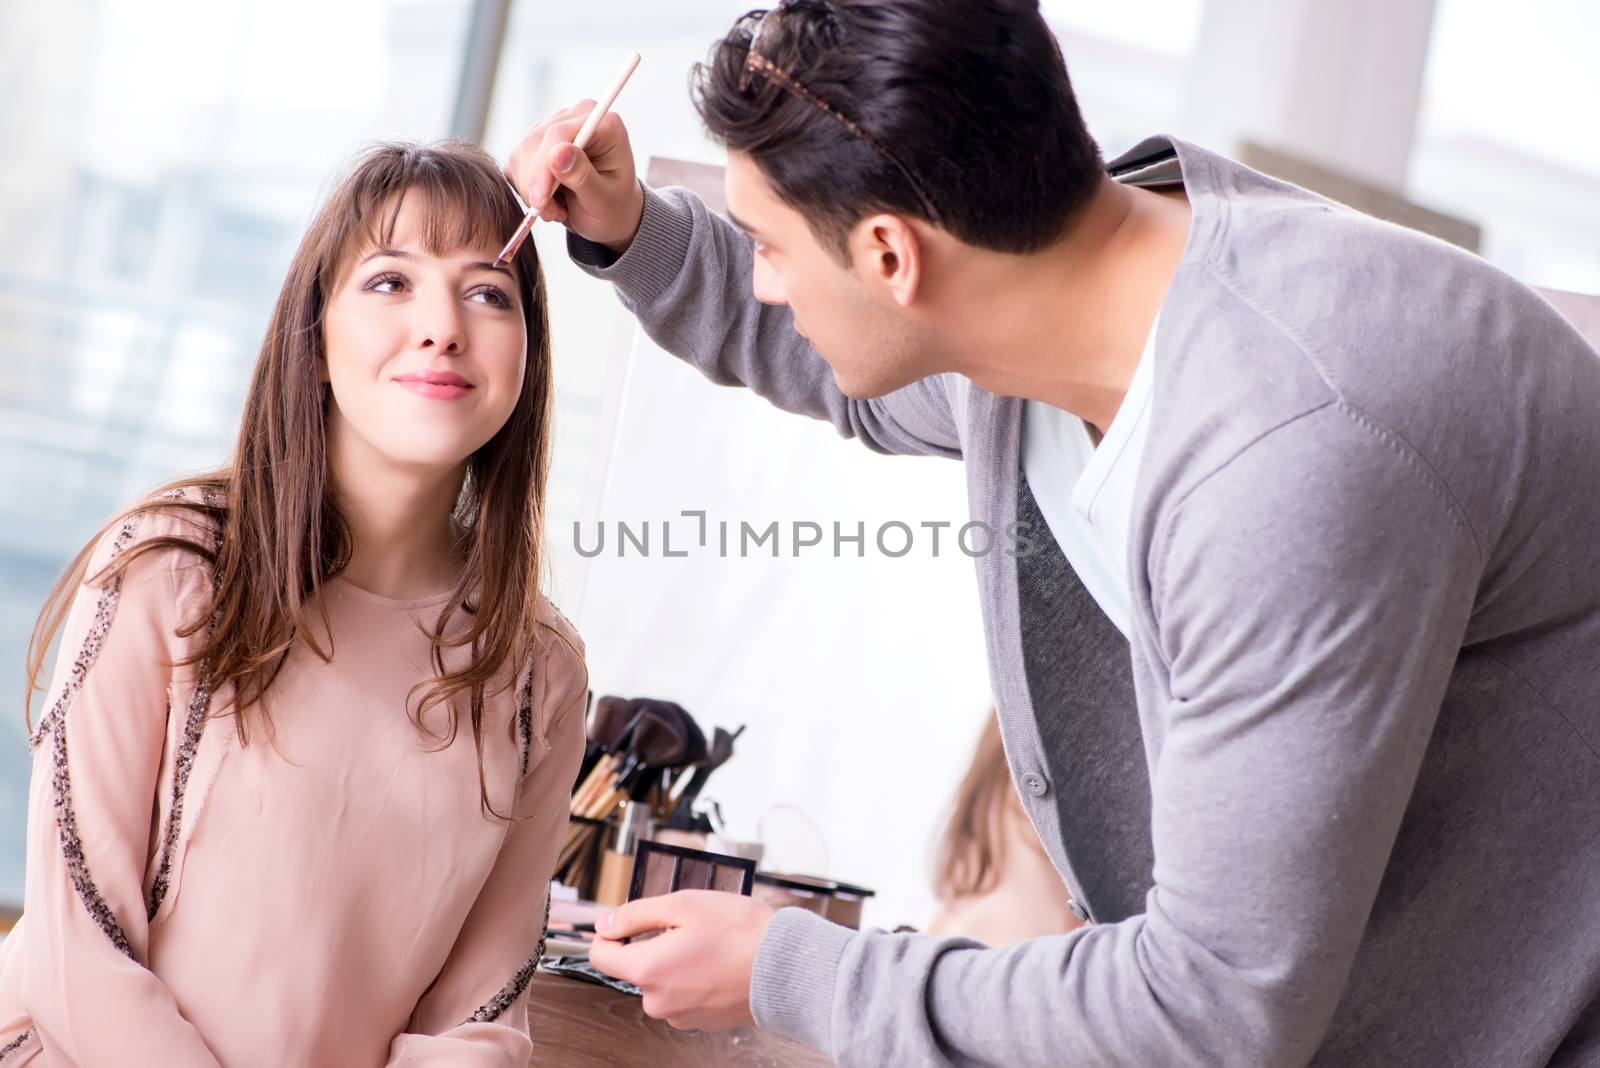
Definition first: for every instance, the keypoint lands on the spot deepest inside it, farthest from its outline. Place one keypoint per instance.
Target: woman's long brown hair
(282, 532)
(971, 854)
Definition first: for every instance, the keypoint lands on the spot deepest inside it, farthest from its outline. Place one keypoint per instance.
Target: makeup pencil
(584, 133)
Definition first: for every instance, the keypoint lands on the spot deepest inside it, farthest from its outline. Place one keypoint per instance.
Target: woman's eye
(393, 283)
(497, 297)
(377, 284)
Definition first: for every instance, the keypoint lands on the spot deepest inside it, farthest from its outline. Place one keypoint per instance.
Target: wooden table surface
(581, 1025)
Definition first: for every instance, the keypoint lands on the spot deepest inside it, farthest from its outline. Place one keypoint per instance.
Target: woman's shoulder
(556, 634)
(560, 656)
(172, 532)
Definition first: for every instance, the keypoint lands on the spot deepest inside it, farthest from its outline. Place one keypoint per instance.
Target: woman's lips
(436, 390)
(436, 386)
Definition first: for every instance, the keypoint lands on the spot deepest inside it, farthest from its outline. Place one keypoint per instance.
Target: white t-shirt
(1086, 493)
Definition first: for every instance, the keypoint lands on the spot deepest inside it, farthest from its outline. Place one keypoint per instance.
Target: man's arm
(1312, 598)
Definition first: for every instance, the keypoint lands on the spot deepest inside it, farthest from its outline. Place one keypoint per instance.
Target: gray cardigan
(1365, 570)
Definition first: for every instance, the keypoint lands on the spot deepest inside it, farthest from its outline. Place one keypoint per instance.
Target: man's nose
(765, 286)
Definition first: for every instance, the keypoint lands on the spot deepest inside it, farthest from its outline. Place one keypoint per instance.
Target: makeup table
(581, 1025)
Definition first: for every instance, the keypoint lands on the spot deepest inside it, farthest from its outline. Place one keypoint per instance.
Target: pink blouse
(332, 895)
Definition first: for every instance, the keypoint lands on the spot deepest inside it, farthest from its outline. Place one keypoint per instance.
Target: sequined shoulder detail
(15, 1044)
(495, 1006)
(54, 724)
(104, 609)
(72, 849)
(194, 724)
(525, 722)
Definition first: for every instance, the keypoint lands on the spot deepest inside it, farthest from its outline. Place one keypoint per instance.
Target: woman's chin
(425, 456)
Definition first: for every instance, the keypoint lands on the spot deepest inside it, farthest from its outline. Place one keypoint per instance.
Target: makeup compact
(659, 869)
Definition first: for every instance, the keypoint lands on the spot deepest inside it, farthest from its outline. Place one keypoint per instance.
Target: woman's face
(425, 352)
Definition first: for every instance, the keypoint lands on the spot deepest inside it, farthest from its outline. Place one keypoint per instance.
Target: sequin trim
(15, 1044)
(104, 609)
(495, 1006)
(54, 724)
(72, 850)
(60, 782)
(194, 724)
(525, 723)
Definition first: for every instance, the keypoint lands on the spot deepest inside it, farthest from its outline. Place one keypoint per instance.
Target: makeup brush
(584, 133)
(601, 730)
(611, 717)
(645, 737)
(721, 750)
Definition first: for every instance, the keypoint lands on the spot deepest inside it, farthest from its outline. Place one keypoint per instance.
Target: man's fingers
(555, 211)
(571, 166)
(634, 962)
(609, 135)
(580, 109)
(637, 917)
(593, 189)
(530, 163)
(616, 959)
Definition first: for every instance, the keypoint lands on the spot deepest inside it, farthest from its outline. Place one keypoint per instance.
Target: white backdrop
(862, 679)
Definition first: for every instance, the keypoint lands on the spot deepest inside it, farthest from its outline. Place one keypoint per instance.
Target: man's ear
(888, 252)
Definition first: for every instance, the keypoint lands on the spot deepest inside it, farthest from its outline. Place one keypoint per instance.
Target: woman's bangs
(460, 208)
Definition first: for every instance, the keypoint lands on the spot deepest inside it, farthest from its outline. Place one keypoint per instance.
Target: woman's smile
(435, 385)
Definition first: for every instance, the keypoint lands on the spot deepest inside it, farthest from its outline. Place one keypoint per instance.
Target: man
(1301, 687)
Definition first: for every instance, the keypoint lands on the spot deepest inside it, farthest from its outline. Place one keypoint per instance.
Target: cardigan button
(1035, 784)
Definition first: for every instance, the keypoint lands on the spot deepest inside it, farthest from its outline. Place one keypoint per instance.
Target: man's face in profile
(843, 309)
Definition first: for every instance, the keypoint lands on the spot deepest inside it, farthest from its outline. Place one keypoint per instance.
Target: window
(170, 160)
(1129, 64)
(1501, 138)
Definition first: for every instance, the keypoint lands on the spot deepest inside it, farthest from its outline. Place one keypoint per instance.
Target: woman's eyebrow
(401, 253)
(404, 255)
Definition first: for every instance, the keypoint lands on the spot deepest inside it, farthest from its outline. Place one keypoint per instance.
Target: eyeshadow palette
(660, 869)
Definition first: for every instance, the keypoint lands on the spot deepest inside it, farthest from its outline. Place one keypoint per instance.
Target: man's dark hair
(957, 112)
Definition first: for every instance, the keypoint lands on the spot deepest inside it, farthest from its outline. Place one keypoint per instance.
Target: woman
(994, 881)
(303, 767)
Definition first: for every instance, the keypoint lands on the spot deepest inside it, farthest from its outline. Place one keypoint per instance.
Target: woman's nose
(438, 323)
